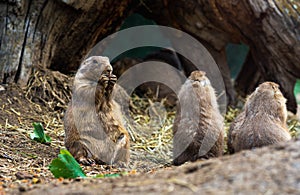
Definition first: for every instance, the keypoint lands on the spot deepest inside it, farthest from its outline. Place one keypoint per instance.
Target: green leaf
(66, 166)
(62, 151)
(108, 175)
(297, 91)
(39, 134)
(112, 175)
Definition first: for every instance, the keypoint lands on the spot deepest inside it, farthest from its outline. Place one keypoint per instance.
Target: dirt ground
(24, 163)
(270, 170)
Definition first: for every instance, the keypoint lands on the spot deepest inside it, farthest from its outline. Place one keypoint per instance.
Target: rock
(271, 170)
(23, 175)
(22, 189)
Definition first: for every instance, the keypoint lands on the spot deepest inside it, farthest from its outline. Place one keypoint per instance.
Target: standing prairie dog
(198, 126)
(93, 127)
(263, 121)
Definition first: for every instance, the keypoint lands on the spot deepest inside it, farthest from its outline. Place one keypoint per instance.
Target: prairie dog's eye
(273, 87)
(95, 62)
(121, 137)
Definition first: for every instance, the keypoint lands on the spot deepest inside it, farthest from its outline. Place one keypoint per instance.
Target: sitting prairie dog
(198, 127)
(94, 131)
(263, 121)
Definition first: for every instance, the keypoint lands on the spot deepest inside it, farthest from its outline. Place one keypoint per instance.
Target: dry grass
(151, 131)
(45, 99)
(48, 94)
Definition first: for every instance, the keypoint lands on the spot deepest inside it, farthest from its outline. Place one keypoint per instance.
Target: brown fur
(263, 121)
(93, 123)
(198, 127)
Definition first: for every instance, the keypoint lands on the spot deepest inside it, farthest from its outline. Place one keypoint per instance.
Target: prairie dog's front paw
(86, 161)
(104, 81)
(111, 83)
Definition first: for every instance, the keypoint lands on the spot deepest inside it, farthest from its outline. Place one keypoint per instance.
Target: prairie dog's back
(263, 121)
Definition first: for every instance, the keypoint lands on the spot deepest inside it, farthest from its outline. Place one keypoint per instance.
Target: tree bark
(269, 28)
(57, 34)
(52, 34)
(273, 35)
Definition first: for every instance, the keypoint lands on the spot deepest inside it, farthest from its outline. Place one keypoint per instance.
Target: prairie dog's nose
(107, 70)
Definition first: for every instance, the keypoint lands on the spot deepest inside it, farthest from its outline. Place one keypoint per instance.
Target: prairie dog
(93, 123)
(198, 126)
(263, 121)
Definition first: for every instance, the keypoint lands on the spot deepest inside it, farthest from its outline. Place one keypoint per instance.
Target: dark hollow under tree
(58, 34)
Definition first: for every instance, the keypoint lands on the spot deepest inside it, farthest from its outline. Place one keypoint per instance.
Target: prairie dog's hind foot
(86, 161)
(81, 154)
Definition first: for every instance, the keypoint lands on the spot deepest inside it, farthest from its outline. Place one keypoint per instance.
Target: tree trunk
(53, 34)
(57, 34)
(269, 28)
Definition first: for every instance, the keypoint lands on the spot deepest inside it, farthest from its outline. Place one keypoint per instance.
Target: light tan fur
(94, 131)
(198, 126)
(263, 121)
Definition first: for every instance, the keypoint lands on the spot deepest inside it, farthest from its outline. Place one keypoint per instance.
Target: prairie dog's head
(92, 68)
(270, 90)
(198, 90)
(270, 86)
(199, 76)
(268, 98)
